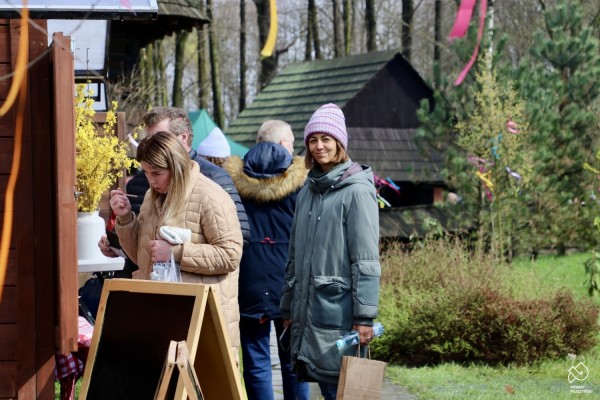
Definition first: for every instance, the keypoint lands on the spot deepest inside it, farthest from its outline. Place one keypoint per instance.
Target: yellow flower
(101, 157)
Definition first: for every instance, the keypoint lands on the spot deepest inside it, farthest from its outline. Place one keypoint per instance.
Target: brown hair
(216, 160)
(340, 156)
(179, 122)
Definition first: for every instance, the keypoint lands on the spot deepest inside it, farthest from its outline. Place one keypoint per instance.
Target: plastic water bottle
(352, 338)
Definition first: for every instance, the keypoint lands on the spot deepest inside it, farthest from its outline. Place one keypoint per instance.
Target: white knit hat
(215, 145)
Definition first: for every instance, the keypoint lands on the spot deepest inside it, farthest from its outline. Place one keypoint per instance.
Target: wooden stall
(37, 315)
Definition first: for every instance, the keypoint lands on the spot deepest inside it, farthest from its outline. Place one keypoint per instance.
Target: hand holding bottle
(352, 338)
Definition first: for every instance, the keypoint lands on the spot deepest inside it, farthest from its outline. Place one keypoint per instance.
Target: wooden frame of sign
(137, 320)
(178, 356)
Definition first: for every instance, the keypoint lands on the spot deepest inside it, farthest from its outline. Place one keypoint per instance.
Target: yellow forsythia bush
(101, 157)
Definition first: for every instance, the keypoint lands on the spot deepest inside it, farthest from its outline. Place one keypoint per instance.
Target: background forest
(538, 70)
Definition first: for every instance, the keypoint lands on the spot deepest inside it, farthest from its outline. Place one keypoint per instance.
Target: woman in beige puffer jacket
(181, 196)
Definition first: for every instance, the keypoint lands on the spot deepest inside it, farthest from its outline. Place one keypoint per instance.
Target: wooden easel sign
(178, 357)
(137, 320)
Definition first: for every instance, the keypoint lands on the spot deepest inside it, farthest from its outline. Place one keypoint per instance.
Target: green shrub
(442, 303)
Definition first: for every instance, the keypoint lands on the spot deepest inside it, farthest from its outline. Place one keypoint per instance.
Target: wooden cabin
(379, 93)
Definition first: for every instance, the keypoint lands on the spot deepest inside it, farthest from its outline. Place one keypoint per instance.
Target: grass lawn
(545, 380)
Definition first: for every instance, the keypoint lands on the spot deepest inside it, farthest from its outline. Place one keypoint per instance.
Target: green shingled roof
(300, 89)
(181, 8)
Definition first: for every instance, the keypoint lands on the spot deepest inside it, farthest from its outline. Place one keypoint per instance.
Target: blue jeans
(328, 390)
(256, 355)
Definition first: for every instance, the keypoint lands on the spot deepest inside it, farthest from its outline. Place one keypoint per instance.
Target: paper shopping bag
(360, 379)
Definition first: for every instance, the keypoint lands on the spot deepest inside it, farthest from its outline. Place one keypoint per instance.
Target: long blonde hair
(165, 151)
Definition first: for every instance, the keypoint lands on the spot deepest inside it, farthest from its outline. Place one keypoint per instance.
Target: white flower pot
(90, 228)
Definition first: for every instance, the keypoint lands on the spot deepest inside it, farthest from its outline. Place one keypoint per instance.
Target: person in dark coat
(268, 180)
(176, 121)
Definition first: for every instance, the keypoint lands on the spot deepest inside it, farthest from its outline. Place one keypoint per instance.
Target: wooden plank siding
(44, 234)
(28, 317)
(64, 178)
(8, 313)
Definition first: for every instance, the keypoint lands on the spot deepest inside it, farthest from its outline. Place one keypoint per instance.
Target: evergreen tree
(560, 84)
(561, 80)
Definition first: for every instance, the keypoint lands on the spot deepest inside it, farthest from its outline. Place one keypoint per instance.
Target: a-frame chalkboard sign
(137, 320)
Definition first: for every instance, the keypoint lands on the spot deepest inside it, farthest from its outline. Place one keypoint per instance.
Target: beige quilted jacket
(212, 256)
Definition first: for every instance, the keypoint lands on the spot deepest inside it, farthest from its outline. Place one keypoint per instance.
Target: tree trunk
(218, 113)
(180, 40)
(490, 19)
(243, 67)
(309, 36)
(437, 40)
(202, 59)
(160, 77)
(203, 68)
(337, 38)
(407, 16)
(146, 76)
(348, 18)
(371, 25)
(313, 24)
(268, 65)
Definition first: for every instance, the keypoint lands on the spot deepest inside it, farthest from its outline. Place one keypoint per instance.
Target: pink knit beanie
(328, 119)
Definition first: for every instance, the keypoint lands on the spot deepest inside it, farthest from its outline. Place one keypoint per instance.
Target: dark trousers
(256, 355)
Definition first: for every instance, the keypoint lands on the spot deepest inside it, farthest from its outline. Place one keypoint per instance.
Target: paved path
(391, 391)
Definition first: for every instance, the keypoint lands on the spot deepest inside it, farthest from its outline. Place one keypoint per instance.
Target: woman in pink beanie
(332, 274)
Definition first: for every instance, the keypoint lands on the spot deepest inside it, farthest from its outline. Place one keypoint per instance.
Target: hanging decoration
(511, 126)
(486, 177)
(461, 25)
(483, 173)
(380, 184)
(269, 46)
(495, 143)
(483, 166)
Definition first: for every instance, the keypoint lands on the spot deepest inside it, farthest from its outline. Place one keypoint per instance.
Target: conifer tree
(561, 80)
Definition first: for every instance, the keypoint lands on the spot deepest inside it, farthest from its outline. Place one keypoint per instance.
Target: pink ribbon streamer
(482, 11)
(463, 17)
(512, 127)
(126, 4)
(382, 182)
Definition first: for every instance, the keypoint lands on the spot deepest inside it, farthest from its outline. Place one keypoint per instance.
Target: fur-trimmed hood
(269, 188)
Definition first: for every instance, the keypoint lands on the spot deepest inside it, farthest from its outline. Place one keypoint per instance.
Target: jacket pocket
(332, 306)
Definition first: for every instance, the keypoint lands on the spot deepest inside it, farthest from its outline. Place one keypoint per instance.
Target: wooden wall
(390, 99)
(29, 322)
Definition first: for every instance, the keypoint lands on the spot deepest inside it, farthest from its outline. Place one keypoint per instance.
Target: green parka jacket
(333, 271)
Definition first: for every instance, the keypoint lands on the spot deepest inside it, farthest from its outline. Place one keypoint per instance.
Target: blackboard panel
(136, 322)
(129, 354)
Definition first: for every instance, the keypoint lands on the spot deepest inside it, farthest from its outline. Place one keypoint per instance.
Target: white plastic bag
(169, 271)
(166, 271)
